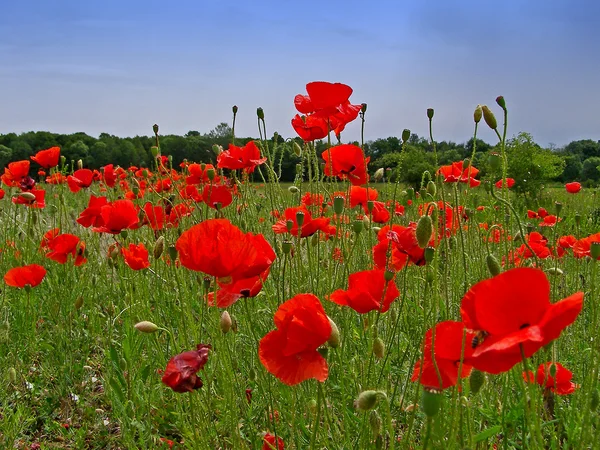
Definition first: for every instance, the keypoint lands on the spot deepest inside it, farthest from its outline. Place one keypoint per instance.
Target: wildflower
(366, 292)
(346, 161)
(47, 158)
(246, 158)
(136, 256)
(560, 382)
(272, 443)
(180, 374)
(24, 276)
(573, 188)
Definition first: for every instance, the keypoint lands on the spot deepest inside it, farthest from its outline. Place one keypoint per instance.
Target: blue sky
(121, 66)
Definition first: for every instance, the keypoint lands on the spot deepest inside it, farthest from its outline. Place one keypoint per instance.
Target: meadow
(213, 307)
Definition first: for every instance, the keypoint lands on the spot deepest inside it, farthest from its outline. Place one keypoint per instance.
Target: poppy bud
(225, 322)
(260, 113)
(424, 230)
(154, 151)
(366, 400)
(293, 189)
(146, 327)
(363, 108)
(477, 114)
(334, 337)
(378, 176)
(429, 254)
(297, 149)
(431, 188)
(210, 174)
(234, 108)
(172, 251)
(357, 226)
(430, 402)
(12, 375)
(595, 400)
(312, 406)
(493, 265)
(289, 224)
(405, 135)
(411, 193)
(476, 381)
(159, 246)
(489, 117)
(554, 271)
(595, 250)
(375, 422)
(217, 149)
(557, 208)
(79, 164)
(155, 128)
(63, 160)
(423, 192)
(78, 303)
(370, 206)
(286, 247)
(501, 103)
(378, 347)
(430, 113)
(376, 229)
(366, 222)
(28, 196)
(552, 370)
(429, 276)
(338, 204)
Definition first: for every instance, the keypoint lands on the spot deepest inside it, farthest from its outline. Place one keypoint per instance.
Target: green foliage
(590, 169)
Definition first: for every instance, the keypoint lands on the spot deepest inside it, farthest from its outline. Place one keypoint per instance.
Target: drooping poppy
(560, 383)
(346, 161)
(366, 291)
(290, 352)
(270, 442)
(136, 256)
(573, 187)
(91, 216)
(514, 312)
(117, 216)
(246, 158)
(80, 179)
(47, 158)
(220, 249)
(452, 344)
(24, 276)
(181, 372)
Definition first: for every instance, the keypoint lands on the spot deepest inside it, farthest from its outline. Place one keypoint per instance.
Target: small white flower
(29, 385)
(74, 397)
(106, 422)
(94, 379)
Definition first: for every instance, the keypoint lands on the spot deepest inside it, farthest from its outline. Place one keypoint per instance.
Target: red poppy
(56, 178)
(217, 196)
(177, 212)
(366, 292)
(404, 247)
(452, 342)
(109, 175)
(583, 246)
(310, 199)
(537, 242)
(346, 114)
(310, 128)
(48, 237)
(220, 249)
(180, 374)
(309, 225)
(15, 172)
(455, 172)
(154, 216)
(510, 182)
(24, 276)
(323, 98)
(37, 201)
(62, 245)
(2, 193)
(136, 256)
(117, 216)
(514, 312)
(290, 352)
(270, 442)
(246, 157)
(91, 215)
(81, 178)
(549, 221)
(47, 158)
(360, 196)
(198, 174)
(560, 383)
(235, 289)
(346, 161)
(573, 188)
(379, 213)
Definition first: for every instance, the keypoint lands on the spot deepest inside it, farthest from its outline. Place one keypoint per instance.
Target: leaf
(487, 433)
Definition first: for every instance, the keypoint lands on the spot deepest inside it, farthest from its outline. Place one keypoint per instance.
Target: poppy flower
(583, 247)
(573, 188)
(37, 201)
(15, 172)
(235, 289)
(310, 199)
(56, 178)
(452, 342)
(404, 247)
(360, 196)
(560, 383)
(309, 225)
(514, 312)
(346, 161)
(199, 174)
(270, 442)
(310, 128)
(323, 99)
(47, 158)
(290, 352)
(177, 212)
(537, 242)
(180, 374)
(549, 221)
(62, 245)
(154, 216)
(136, 256)
(217, 196)
(109, 175)
(366, 292)
(346, 113)
(81, 178)
(24, 276)
(246, 158)
(220, 249)
(2, 193)
(91, 215)
(379, 213)
(510, 182)
(117, 216)
(456, 172)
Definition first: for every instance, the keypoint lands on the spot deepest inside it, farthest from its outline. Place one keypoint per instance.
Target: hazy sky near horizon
(121, 66)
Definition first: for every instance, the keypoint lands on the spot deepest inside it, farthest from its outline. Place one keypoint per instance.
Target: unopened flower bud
(366, 222)
(554, 271)
(366, 400)
(357, 226)
(210, 174)
(424, 231)
(12, 375)
(378, 175)
(79, 164)
(378, 347)
(334, 337)
(477, 114)
(410, 193)
(430, 113)
(557, 208)
(297, 149)
(260, 113)
(225, 322)
(493, 265)
(552, 370)
(27, 196)
(293, 189)
(430, 402)
(234, 108)
(595, 250)
(375, 422)
(489, 117)
(501, 103)
(154, 151)
(476, 381)
(217, 149)
(431, 188)
(146, 327)
(159, 246)
(405, 135)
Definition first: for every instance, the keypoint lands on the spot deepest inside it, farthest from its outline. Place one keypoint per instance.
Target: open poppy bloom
(583, 247)
(310, 128)
(455, 172)
(15, 172)
(513, 311)
(136, 256)
(217, 196)
(222, 250)
(451, 341)
(346, 161)
(510, 182)
(117, 216)
(290, 352)
(24, 276)
(272, 443)
(560, 383)
(573, 188)
(91, 215)
(404, 246)
(47, 158)
(109, 176)
(60, 246)
(366, 292)
(309, 225)
(180, 374)
(323, 99)
(246, 157)
(81, 178)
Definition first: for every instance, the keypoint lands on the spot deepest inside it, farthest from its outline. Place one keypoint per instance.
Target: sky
(121, 66)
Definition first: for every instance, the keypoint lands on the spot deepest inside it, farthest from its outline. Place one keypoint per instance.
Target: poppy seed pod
(366, 400)
(338, 204)
(430, 402)
(260, 113)
(476, 381)
(430, 113)
(424, 231)
(234, 108)
(595, 250)
(557, 208)
(501, 103)
(225, 322)
(299, 219)
(210, 174)
(477, 114)
(552, 370)
(155, 128)
(357, 226)
(489, 117)
(493, 265)
(334, 337)
(378, 347)
(289, 224)
(363, 108)
(405, 135)
(159, 247)
(146, 327)
(286, 247)
(154, 151)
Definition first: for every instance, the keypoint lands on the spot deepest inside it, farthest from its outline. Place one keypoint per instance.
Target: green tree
(590, 169)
